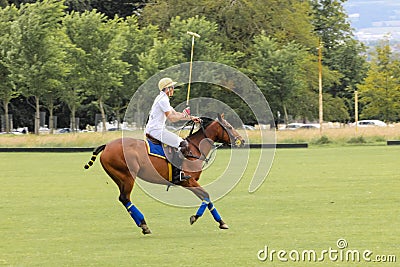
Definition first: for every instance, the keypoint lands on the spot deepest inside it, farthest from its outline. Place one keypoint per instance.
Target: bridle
(214, 147)
(227, 129)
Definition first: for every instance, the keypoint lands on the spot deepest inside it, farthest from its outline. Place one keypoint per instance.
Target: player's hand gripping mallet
(193, 34)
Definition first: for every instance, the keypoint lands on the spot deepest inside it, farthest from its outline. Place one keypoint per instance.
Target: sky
(374, 19)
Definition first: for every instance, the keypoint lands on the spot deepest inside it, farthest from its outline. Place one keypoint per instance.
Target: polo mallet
(193, 34)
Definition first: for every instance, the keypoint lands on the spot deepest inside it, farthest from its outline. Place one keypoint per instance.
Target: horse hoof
(193, 219)
(145, 230)
(223, 225)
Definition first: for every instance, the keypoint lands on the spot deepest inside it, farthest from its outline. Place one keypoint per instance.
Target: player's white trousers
(166, 137)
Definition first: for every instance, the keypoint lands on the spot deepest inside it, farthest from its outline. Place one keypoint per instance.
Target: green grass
(53, 213)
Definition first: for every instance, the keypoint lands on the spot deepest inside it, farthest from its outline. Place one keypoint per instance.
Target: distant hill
(373, 19)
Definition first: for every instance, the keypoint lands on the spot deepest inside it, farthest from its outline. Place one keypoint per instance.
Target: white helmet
(165, 82)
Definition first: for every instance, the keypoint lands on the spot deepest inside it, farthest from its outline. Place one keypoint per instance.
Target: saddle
(153, 140)
(170, 154)
(170, 150)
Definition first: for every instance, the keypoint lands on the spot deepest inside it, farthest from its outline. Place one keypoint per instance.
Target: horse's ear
(220, 116)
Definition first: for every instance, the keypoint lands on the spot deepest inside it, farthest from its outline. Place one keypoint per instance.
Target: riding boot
(178, 173)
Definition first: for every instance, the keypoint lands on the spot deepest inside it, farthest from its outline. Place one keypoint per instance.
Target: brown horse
(126, 158)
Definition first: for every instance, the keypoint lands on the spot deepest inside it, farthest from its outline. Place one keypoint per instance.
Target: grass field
(53, 213)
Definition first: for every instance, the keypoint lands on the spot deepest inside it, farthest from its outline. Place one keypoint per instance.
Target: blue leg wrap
(136, 215)
(202, 207)
(214, 212)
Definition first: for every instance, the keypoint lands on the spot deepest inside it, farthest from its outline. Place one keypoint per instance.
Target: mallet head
(193, 34)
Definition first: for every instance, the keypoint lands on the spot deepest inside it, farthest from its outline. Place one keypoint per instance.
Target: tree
(278, 72)
(108, 58)
(138, 41)
(111, 8)
(335, 109)
(56, 89)
(99, 39)
(159, 57)
(18, 3)
(234, 27)
(206, 48)
(341, 52)
(239, 22)
(38, 66)
(8, 89)
(74, 81)
(380, 92)
(120, 8)
(3, 3)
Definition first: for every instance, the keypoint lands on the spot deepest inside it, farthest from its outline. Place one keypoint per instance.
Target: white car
(310, 126)
(371, 123)
(248, 127)
(291, 126)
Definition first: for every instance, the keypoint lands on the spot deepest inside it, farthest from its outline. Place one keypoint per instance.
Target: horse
(126, 158)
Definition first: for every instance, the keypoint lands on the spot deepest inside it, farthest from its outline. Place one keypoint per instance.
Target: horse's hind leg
(124, 197)
(113, 160)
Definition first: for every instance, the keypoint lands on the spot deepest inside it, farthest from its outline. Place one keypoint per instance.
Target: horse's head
(223, 132)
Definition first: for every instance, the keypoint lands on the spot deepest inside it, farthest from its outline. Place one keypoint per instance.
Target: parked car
(19, 131)
(371, 123)
(113, 129)
(248, 127)
(44, 130)
(310, 126)
(64, 130)
(291, 126)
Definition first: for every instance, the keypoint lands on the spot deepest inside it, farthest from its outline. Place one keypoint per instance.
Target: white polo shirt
(157, 116)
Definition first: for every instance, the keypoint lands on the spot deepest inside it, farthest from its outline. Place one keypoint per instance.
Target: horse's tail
(94, 156)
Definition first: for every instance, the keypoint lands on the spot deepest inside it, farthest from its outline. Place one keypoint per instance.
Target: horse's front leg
(216, 216)
(207, 203)
(195, 187)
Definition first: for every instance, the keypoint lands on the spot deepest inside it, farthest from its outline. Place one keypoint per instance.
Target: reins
(203, 156)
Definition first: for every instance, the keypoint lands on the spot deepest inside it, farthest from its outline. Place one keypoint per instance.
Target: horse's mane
(205, 122)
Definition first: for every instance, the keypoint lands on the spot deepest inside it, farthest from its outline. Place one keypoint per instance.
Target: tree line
(78, 57)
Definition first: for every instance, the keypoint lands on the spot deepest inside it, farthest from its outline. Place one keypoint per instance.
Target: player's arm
(174, 116)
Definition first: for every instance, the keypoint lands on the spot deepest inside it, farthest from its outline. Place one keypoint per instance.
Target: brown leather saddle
(153, 140)
(172, 155)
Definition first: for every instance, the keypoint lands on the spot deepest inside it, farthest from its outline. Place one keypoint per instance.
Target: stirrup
(182, 177)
